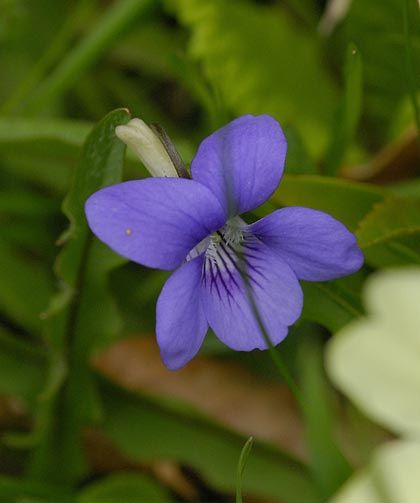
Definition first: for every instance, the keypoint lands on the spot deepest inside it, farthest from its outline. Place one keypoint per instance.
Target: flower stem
(274, 354)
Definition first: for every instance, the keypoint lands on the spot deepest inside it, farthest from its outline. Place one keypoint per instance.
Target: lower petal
(180, 322)
(228, 308)
(315, 245)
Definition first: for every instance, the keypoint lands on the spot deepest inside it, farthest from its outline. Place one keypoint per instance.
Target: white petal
(376, 361)
(394, 297)
(391, 477)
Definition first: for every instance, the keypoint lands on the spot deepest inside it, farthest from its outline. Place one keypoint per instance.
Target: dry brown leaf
(171, 475)
(224, 391)
(400, 160)
(13, 413)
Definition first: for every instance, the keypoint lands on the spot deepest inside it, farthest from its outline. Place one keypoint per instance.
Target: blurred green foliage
(345, 98)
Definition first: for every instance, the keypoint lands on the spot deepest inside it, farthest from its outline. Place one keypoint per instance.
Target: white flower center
(226, 240)
(222, 244)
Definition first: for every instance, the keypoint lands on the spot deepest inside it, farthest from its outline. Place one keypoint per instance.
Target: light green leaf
(347, 201)
(124, 488)
(253, 66)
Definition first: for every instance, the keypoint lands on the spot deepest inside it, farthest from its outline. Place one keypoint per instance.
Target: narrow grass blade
(243, 458)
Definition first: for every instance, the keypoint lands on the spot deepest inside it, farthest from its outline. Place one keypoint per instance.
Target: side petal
(242, 163)
(315, 245)
(275, 289)
(180, 322)
(155, 221)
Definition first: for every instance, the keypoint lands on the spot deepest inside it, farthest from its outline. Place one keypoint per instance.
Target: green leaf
(348, 112)
(115, 21)
(390, 233)
(84, 263)
(377, 28)
(146, 430)
(42, 151)
(22, 367)
(332, 304)
(146, 50)
(329, 466)
(14, 490)
(71, 23)
(412, 86)
(25, 287)
(25, 203)
(298, 161)
(245, 50)
(124, 487)
(81, 314)
(29, 219)
(347, 201)
(407, 188)
(16, 132)
(101, 165)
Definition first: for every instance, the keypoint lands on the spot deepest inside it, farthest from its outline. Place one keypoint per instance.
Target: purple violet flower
(193, 226)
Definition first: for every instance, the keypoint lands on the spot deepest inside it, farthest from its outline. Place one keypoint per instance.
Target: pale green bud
(148, 147)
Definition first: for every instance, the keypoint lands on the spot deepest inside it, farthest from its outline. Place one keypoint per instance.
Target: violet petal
(180, 322)
(226, 303)
(314, 244)
(242, 163)
(155, 221)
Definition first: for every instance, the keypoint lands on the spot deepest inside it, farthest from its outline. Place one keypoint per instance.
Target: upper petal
(155, 221)
(242, 163)
(315, 245)
(180, 321)
(275, 289)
